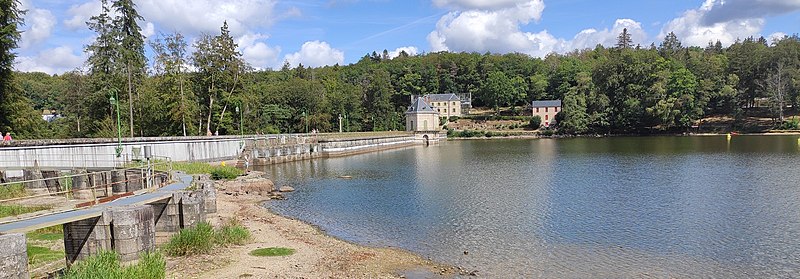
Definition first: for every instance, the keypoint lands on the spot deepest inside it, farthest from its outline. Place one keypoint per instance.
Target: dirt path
(317, 255)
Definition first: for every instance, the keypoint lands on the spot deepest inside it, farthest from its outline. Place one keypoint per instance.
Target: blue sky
(326, 32)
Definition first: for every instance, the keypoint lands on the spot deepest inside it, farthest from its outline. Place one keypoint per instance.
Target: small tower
(421, 117)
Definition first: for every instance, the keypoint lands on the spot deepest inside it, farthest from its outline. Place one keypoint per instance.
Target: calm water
(612, 207)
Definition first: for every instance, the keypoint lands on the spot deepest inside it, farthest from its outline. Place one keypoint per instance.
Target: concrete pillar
(35, 187)
(133, 232)
(135, 180)
(51, 181)
(210, 196)
(192, 209)
(87, 237)
(99, 183)
(80, 185)
(2, 176)
(13, 256)
(167, 214)
(118, 184)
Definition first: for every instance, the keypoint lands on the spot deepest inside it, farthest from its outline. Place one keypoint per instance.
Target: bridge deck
(27, 225)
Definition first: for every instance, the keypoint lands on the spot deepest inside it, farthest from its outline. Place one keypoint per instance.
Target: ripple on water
(604, 208)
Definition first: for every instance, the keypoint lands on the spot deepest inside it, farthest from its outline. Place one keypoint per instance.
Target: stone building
(547, 110)
(445, 104)
(421, 116)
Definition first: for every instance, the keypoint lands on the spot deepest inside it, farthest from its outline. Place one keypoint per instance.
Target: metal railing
(59, 194)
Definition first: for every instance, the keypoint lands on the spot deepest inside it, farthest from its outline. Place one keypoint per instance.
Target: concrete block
(118, 184)
(135, 180)
(87, 237)
(80, 185)
(34, 187)
(133, 231)
(52, 181)
(192, 209)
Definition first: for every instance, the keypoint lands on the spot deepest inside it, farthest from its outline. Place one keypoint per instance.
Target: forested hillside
(627, 88)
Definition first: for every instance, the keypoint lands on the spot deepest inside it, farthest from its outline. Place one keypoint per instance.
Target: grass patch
(106, 265)
(272, 252)
(14, 210)
(203, 238)
(191, 241)
(38, 255)
(47, 234)
(14, 190)
(232, 233)
(217, 172)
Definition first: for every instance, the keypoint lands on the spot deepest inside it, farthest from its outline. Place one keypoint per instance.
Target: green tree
(130, 51)
(576, 119)
(170, 60)
(624, 40)
(18, 116)
(102, 61)
(497, 90)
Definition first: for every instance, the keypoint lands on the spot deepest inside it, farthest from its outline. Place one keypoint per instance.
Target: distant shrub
(225, 172)
(454, 118)
(442, 121)
(535, 122)
(232, 233)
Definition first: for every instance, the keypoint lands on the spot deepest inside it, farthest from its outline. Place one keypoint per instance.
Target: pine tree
(670, 46)
(131, 49)
(624, 40)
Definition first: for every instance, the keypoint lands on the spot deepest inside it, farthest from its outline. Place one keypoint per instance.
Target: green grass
(272, 252)
(10, 191)
(106, 265)
(38, 255)
(232, 233)
(46, 236)
(203, 238)
(14, 210)
(217, 172)
(191, 241)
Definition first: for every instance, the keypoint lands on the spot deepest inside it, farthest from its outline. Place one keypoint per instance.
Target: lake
(585, 207)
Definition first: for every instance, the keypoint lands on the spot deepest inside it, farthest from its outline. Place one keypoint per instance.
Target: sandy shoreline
(317, 254)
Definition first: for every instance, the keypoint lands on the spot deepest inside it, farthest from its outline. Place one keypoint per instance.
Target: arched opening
(425, 140)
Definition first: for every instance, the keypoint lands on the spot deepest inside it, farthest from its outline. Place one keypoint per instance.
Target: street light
(114, 100)
(305, 119)
(241, 128)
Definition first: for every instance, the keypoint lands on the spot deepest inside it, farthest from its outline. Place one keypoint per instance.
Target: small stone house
(445, 104)
(421, 116)
(547, 110)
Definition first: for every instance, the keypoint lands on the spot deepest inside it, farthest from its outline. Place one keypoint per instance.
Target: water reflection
(621, 207)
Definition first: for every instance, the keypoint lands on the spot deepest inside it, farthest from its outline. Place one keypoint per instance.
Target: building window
(546, 117)
(425, 125)
(537, 109)
(545, 109)
(454, 103)
(454, 110)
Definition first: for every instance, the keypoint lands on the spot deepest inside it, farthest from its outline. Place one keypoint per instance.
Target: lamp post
(114, 100)
(241, 128)
(305, 119)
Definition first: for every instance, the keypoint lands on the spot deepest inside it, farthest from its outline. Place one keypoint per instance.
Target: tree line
(625, 88)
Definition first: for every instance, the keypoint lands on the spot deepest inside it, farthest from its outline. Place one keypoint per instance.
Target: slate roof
(420, 106)
(442, 97)
(547, 103)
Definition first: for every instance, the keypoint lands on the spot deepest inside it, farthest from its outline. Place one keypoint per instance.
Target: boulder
(257, 187)
(286, 188)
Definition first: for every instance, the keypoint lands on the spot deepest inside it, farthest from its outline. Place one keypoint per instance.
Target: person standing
(7, 139)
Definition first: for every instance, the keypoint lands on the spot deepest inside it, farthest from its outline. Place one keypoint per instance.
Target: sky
(327, 32)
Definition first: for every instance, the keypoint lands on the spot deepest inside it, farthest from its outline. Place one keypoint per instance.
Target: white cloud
(316, 54)
(720, 11)
(486, 30)
(38, 26)
(200, 16)
(410, 50)
(51, 61)
(80, 14)
(148, 30)
(495, 27)
(692, 28)
(257, 53)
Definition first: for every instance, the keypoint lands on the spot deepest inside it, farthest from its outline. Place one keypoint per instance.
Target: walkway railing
(50, 191)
